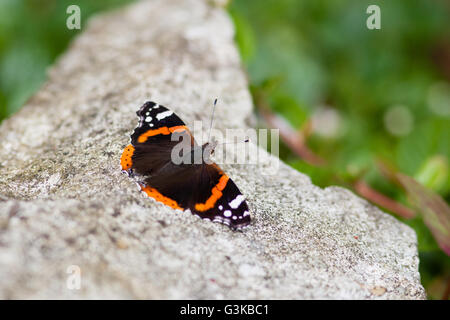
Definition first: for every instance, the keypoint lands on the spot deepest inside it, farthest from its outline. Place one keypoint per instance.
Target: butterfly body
(182, 179)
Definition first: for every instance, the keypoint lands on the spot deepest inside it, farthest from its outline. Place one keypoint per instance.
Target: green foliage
(388, 88)
(32, 34)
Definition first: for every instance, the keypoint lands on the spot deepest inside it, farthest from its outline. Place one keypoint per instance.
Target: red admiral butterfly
(201, 186)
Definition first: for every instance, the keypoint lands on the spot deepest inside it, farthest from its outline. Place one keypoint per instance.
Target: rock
(64, 203)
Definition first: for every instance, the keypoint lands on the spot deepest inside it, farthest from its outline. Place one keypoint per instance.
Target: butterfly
(200, 186)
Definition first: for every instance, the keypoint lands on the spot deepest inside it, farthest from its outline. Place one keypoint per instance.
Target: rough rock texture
(64, 200)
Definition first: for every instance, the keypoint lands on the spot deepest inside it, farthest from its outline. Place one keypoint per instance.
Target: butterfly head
(208, 148)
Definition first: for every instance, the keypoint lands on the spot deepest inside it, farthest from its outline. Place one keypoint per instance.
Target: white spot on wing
(164, 114)
(227, 213)
(148, 119)
(237, 201)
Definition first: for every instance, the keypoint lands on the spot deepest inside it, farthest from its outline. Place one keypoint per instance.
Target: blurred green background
(356, 97)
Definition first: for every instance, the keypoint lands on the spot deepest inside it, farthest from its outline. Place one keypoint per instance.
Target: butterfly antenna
(212, 119)
(245, 141)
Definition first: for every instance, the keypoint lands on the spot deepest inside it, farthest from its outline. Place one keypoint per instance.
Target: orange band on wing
(216, 194)
(163, 130)
(153, 193)
(125, 160)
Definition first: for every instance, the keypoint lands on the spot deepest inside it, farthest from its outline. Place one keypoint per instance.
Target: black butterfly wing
(156, 123)
(219, 199)
(204, 189)
(151, 142)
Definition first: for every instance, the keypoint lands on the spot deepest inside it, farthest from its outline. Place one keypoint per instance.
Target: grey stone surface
(64, 200)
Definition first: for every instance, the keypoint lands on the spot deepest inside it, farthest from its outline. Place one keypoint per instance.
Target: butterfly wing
(219, 199)
(156, 123)
(204, 189)
(151, 143)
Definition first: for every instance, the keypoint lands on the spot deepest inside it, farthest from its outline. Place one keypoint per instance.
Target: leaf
(433, 173)
(434, 210)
